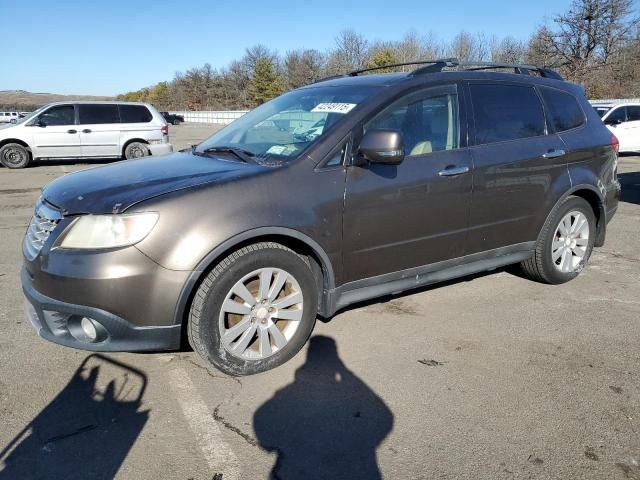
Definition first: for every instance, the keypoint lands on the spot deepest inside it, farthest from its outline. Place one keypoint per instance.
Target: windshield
(602, 110)
(29, 116)
(286, 126)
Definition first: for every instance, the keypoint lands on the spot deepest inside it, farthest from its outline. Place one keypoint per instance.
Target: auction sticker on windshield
(333, 107)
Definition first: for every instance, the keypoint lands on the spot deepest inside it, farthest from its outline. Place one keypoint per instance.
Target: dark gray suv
(341, 191)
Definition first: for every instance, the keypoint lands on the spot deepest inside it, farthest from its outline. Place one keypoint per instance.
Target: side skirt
(397, 282)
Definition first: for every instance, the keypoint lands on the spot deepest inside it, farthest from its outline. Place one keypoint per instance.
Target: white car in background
(623, 119)
(85, 130)
(7, 117)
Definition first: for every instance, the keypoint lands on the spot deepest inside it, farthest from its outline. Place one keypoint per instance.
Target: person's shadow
(86, 431)
(327, 424)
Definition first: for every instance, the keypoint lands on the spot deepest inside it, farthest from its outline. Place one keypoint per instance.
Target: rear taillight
(615, 144)
(165, 129)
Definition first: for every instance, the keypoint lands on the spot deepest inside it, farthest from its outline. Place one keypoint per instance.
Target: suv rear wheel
(14, 155)
(255, 310)
(565, 243)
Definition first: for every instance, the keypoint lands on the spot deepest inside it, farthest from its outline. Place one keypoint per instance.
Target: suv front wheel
(255, 310)
(565, 243)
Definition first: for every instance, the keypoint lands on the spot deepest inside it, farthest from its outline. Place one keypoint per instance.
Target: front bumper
(59, 322)
(160, 149)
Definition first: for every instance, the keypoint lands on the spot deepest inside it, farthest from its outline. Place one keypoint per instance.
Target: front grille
(44, 221)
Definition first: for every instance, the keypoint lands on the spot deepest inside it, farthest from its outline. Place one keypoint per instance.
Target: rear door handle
(554, 154)
(72, 131)
(453, 171)
(86, 130)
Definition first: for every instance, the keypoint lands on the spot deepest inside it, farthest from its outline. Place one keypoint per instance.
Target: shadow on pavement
(80, 161)
(630, 187)
(86, 431)
(327, 424)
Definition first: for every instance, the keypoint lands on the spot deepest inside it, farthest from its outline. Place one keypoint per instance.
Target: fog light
(85, 329)
(89, 329)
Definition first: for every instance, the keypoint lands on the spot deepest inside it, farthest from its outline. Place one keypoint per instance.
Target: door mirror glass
(382, 146)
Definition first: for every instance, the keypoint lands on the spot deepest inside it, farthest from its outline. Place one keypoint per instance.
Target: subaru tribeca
(344, 190)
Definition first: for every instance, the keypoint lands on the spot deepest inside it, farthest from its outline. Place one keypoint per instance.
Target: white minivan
(85, 130)
(623, 120)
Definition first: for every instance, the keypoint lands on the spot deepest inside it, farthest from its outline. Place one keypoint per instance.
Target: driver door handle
(554, 154)
(72, 131)
(86, 130)
(453, 171)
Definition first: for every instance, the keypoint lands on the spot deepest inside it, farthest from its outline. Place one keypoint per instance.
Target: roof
(389, 79)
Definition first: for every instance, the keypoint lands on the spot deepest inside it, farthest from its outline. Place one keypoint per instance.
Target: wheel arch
(295, 240)
(15, 140)
(597, 202)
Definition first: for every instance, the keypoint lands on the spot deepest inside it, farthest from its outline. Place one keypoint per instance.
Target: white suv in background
(85, 130)
(623, 119)
(7, 117)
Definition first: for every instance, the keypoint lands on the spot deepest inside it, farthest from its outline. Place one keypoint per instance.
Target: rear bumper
(160, 149)
(59, 322)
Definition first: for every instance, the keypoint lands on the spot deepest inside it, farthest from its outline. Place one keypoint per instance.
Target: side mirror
(382, 146)
(40, 123)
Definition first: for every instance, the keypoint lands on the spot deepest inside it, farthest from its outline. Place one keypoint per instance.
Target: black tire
(136, 150)
(14, 155)
(203, 327)
(540, 267)
(176, 122)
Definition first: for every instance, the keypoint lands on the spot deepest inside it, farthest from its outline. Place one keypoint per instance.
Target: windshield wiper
(242, 154)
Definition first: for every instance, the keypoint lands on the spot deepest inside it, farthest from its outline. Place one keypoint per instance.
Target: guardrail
(219, 117)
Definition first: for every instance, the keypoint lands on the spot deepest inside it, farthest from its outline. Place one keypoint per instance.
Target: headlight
(108, 231)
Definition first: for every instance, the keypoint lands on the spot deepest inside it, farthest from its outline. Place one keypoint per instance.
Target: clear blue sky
(105, 47)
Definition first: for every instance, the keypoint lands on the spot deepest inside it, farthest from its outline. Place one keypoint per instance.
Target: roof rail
(522, 69)
(436, 66)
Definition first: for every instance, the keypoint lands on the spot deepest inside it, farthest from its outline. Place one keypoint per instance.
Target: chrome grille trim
(44, 221)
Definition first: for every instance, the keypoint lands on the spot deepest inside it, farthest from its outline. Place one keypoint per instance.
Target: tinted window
(134, 114)
(506, 112)
(617, 115)
(92, 114)
(428, 124)
(563, 110)
(59, 115)
(633, 113)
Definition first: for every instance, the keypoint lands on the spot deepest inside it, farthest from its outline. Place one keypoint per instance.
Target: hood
(116, 187)
(6, 125)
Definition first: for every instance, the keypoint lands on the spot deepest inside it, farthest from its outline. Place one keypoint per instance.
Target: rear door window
(563, 110)
(506, 112)
(98, 114)
(134, 114)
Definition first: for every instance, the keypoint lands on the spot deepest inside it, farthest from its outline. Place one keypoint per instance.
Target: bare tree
(350, 53)
(302, 67)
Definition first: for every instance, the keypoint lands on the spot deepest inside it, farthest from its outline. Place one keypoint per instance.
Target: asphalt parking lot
(491, 376)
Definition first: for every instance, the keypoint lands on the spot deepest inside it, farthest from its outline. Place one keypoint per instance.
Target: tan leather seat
(421, 148)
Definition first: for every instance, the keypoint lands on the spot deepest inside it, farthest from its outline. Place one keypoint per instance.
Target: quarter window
(97, 114)
(563, 110)
(428, 124)
(134, 114)
(58, 115)
(506, 112)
